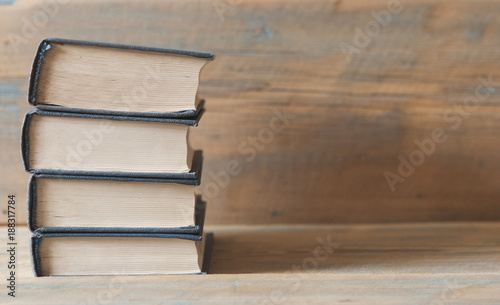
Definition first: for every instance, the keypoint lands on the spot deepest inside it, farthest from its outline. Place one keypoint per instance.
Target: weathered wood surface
(326, 264)
(354, 115)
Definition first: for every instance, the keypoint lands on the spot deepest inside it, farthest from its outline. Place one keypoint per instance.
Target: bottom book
(65, 254)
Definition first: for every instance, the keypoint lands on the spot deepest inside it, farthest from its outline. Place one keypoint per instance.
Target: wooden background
(354, 115)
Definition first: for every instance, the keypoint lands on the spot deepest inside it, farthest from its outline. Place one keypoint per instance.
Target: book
(88, 144)
(63, 254)
(112, 190)
(91, 77)
(64, 203)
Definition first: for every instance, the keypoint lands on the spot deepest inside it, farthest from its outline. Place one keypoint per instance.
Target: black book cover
(31, 203)
(194, 174)
(38, 237)
(45, 46)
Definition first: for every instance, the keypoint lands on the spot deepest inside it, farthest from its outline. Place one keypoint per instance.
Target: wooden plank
(384, 264)
(354, 116)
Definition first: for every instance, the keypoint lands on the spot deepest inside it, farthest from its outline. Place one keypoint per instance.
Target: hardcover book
(112, 190)
(63, 203)
(62, 254)
(90, 77)
(86, 144)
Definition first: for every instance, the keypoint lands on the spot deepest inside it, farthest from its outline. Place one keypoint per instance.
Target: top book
(90, 77)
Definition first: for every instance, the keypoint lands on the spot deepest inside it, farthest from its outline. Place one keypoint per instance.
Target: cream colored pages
(68, 143)
(102, 203)
(117, 255)
(91, 77)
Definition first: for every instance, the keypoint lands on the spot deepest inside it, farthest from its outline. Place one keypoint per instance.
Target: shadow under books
(350, 251)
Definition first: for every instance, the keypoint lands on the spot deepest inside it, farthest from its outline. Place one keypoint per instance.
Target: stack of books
(113, 175)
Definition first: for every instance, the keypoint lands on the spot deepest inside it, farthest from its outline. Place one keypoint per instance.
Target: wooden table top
(434, 263)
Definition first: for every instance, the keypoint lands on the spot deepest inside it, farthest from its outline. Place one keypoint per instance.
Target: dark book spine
(25, 141)
(103, 116)
(184, 114)
(31, 203)
(202, 55)
(43, 47)
(36, 239)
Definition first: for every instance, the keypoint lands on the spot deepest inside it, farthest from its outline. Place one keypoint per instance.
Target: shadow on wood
(450, 248)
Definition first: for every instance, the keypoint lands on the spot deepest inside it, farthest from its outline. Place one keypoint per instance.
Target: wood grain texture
(354, 116)
(370, 264)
